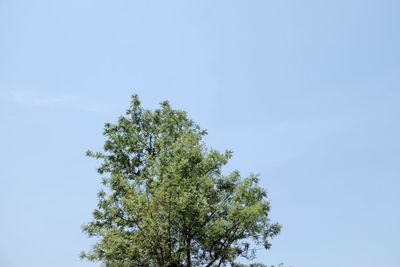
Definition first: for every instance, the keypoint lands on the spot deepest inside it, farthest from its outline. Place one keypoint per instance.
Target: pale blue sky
(304, 92)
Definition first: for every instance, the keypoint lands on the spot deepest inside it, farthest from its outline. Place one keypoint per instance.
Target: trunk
(188, 256)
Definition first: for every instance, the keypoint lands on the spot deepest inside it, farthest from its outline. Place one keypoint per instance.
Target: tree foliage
(166, 201)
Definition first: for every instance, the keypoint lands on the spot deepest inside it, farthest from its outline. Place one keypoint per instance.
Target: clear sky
(307, 93)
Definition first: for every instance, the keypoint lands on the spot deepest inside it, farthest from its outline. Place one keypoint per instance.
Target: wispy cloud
(31, 98)
(47, 99)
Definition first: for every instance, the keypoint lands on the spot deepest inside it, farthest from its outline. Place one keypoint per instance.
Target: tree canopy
(166, 202)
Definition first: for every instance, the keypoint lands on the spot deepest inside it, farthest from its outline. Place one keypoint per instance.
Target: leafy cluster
(166, 202)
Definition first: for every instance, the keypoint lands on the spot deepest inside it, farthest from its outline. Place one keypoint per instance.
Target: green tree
(166, 201)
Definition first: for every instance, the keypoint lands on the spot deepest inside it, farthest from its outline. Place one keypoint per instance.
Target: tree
(166, 202)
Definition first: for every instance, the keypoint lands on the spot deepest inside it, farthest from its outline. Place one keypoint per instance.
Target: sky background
(306, 93)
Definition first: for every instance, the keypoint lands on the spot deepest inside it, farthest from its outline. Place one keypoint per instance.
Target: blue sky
(304, 92)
